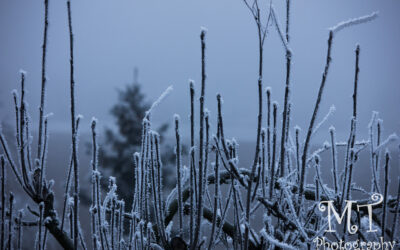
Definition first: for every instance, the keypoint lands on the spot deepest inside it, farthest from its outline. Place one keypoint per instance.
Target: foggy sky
(161, 38)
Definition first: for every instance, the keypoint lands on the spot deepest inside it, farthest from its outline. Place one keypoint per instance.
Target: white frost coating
(51, 183)
(48, 115)
(373, 119)
(177, 117)
(354, 21)
(218, 212)
(168, 229)
(94, 120)
(185, 175)
(332, 109)
(155, 246)
(159, 100)
(71, 201)
(391, 138)
(235, 143)
(279, 29)
(206, 112)
(14, 92)
(96, 173)
(203, 29)
(171, 196)
(21, 71)
(220, 97)
(47, 220)
(154, 133)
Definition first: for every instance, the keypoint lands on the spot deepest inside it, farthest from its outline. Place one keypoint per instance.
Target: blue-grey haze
(161, 38)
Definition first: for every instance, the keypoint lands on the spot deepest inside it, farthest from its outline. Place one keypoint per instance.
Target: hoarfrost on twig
(159, 100)
(354, 21)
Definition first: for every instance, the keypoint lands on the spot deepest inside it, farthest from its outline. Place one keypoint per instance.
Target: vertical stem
(347, 160)
(15, 97)
(74, 135)
(19, 234)
(297, 130)
(40, 226)
(269, 127)
(97, 226)
(192, 95)
(68, 182)
(236, 212)
(135, 203)
(43, 90)
(112, 228)
(28, 146)
(216, 200)
(263, 182)
(159, 188)
(154, 188)
(3, 202)
(334, 159)
(192, 166)
(22, 125)
(259, 123)
(396, 212)
(378, 142)
(259, 178)
(285, 113)
(206, 117)
(94, 210)
(178, 174)
(312, 121)
(287, 19)
(193, 194)
(147, 184)
(374, 184)
(272, 174)
(45, 239)
(357, 71)
(10, 222)
(71, 221)
(352, 139)
(201, 144)
(142, 167)
(121, 223)
(43, 158)
(385, 195)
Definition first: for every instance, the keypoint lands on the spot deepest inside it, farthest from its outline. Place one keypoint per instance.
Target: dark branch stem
(314, 116)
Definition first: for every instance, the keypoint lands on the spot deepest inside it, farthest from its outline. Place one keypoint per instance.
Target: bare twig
(73, 128)
(43, 90)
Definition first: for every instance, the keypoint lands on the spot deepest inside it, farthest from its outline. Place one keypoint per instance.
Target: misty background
(161, 38)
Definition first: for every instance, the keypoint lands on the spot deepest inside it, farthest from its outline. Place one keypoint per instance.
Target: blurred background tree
(116, 152)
